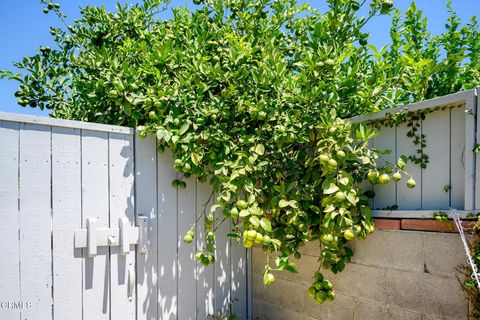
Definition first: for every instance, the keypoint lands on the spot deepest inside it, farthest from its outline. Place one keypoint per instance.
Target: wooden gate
(56, 175)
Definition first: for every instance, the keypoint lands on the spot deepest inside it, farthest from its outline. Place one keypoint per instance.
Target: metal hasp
(124, 236)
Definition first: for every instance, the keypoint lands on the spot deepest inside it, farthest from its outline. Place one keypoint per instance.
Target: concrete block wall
(394, 274)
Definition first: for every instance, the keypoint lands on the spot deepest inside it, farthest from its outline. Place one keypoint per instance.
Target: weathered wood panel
(436, 176)
(146, 205)
(35, 221)
(457, 158)
(205, 280)
(386, 195)
(67, 216)
(95, 203)
(187, 297)
(123, 303)
(10, 226)
(167, 240)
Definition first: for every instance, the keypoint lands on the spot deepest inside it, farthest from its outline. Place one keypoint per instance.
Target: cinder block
(392, 313)
(284, 293)
(365, 309)
(400, 250)
(311, 248)
(405, 289)
(339, 309)
(258, 260)
(443, 253)
(443, 297)
(362, 281)
(263, 310)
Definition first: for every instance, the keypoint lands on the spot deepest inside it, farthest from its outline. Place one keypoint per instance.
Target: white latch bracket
(123, 236)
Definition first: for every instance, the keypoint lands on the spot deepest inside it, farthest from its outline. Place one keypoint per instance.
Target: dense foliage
(251, 95)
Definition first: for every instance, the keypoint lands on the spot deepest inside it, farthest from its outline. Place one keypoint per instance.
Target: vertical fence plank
(205, 287)
(385, 195)
(222, 268)
(187, 299)
(67, 216)
(239, 279)
(95, 204)
(167, 242)
(9, 263)
(436, 176)
(472, 161)
(457, 161)
(146, 205)
(408, 199)
(35, 221)
(121, 206)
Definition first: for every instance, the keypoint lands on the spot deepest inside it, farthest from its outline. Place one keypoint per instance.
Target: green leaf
(331, 188)
(254, 221)
(283, 203)
(195, 158)
(260, 149)
(266, 224)
(244, 213)
(184, 128)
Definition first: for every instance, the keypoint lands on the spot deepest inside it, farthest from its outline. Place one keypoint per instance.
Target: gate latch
(122, 236)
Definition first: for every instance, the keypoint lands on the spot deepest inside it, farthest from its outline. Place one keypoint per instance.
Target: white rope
(456, 219)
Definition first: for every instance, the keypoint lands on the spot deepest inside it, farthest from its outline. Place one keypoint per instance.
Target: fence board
(146, 205)
(205, 284)
(121, 206)
(436, 176)
(95, 203)
(187, 298)
(35, 221)
(239, 279)
(222, 268)
(385, 195)
(408, 199)
(9, 264)
(67, 216)
(167, 241)
(457, 158)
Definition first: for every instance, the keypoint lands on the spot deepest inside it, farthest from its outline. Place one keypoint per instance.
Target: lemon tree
(251, 96)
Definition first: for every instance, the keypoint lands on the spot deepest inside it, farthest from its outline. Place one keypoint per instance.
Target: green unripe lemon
(340, 196)
(411, 183)
(327, 285)
(341, 154)
(320, 297)
(327, 237)
(312, 292)
(397, 176)
(247, 243)
(349, 234)
(188, 238)
(331, 296)
(259, 238)
(251, 235)
(332, 162)
(242, 205)
(384, 178)
(234, 213)
(268, 279)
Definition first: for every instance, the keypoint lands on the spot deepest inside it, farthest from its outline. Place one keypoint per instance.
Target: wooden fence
(75, 197)
(56, 174)
(449, 128)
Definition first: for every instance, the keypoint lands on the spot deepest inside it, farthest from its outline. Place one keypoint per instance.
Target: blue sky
(25, 27)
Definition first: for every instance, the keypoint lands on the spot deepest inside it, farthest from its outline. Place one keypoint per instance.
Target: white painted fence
(54, 174)
(448, 181)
